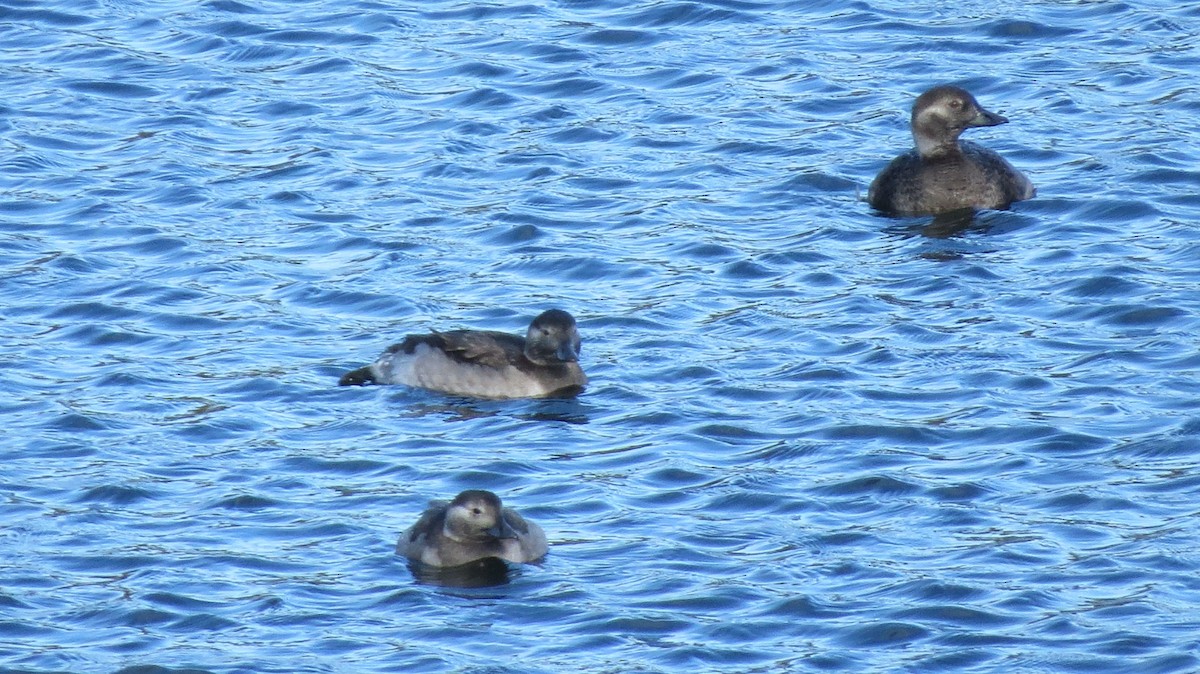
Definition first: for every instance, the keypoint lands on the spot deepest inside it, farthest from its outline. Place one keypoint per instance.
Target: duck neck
(928, 146)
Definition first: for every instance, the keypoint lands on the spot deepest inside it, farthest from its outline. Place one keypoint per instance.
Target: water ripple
(815, 439)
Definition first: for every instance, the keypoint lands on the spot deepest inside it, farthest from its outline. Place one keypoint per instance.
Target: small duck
(474, 526)
(484, 363)
(942, 173)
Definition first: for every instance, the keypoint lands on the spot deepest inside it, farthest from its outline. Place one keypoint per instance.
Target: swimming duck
(942, 173)
(484, 363)
(474, 526)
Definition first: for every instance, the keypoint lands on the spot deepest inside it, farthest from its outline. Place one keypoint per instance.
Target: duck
(472, 527)
(942, 173)
(485, 363)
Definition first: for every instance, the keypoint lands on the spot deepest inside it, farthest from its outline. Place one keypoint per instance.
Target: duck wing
(480, 347)
(515, 521)
(429, 522)
(899, 177)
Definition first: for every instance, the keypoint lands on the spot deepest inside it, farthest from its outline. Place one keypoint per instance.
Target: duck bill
(986, 118)
(502, 530)
(567, 352)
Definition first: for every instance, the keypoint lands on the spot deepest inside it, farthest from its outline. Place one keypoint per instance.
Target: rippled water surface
(816, 439)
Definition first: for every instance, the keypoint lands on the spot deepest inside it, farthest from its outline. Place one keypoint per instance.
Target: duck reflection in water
(486, 572)
(563, 410)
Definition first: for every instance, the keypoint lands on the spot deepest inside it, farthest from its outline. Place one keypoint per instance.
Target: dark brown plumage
(484, 363)
(943, 174)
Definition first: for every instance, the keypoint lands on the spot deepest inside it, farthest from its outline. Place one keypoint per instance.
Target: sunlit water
(816, 439)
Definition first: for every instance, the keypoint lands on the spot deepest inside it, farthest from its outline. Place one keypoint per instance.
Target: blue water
(816, 439)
